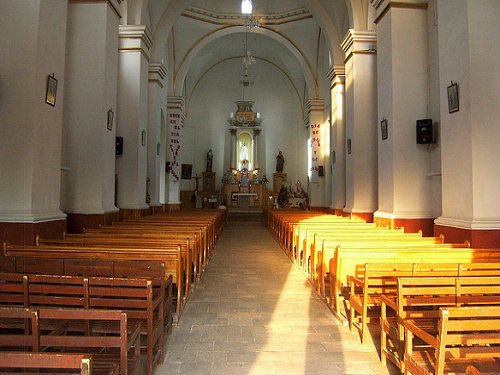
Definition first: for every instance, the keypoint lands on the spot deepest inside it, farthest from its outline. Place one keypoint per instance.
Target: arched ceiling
(293, 36)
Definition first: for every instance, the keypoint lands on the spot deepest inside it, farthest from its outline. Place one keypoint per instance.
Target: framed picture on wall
(51, 93)
(186, 171)
(111, 115)
(453, 99)
(383, 129)
(349, 145)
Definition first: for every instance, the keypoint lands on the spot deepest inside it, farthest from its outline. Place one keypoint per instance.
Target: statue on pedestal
(280, 161)
(210, 157)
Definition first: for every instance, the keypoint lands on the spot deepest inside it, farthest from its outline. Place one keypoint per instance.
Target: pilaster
(404, 188)
(360, 119)
(157, 131)
(336, 76)
(316, 121)
(134, 51)
(175, 109)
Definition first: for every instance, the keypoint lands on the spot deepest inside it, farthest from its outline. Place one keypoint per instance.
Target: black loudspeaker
(321, 171)
(424, 131)
(119, 146)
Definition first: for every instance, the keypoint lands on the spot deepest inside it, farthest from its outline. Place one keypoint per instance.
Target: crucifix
(196, 178)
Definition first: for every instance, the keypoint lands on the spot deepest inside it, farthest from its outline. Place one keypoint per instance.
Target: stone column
(316, 119)
(361, 123)
(90, 114)
(404, 187)
(157, 134)
(337, 138)
(175, 108)
(135, 45)
(470, 136)
(256, 134)
(33, 47)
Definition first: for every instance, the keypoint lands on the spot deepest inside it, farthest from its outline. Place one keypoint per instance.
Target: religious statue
(210, 157)
(280, 161)
(244, 153)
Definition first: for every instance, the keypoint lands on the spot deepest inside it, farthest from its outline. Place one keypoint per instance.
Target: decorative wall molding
(135, 38)
(157, 73)
(336, 75)
(468, 224)
(31, 217)
(225, 19)
(359, 42)
(383, 6)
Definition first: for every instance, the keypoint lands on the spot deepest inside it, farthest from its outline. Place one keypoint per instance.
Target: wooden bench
(346, 259)
(121, 346)
(151, 270)
(418, 299)
(374, 280)
(13, 290)
(172, 258)
(19, 327)
(135, 298)
(58, 363)
(467, 336)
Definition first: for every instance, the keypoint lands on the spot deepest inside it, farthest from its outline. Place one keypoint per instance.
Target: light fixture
(246, 7)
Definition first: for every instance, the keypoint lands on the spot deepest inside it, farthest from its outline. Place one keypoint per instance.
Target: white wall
(282, 127)
(30, 138)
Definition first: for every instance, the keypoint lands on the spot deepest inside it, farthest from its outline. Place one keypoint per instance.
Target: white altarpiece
(244, 187)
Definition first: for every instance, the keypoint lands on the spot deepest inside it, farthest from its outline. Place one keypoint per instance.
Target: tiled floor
(253, 312)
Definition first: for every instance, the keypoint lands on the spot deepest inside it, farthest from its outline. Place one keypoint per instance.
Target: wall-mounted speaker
(119, 146)
(424, 131)
(321, 171)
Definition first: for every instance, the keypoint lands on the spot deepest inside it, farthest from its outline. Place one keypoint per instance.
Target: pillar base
(366, 216)
(412, 225)
(26, 233)
(77, 223)
(484, 238)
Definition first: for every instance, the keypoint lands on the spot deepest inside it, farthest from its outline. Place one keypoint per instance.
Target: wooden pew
(172, 258)
(150, 270)
(418, 300)
(346, 259)
(32, 363)
(374, 280)
(13, 290)
(19, 327)
(155, 238)
(135, 298)
(467, 336)
(106, 347)
(114, 242)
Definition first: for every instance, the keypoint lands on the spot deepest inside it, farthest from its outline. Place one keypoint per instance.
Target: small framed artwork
(111, 115)
(143, 137)
(453, 99)
(349, 145)
(158, 148)
(383, 129)
(51, 93)
(334, 157)
(186, 171)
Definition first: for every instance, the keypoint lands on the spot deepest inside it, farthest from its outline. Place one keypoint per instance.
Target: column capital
(257, 131)
(114, 4)
(135, 38)
(359, 42)
(315, 105)
(176, 104)
(336, 75)
(157, 72)
(383, 6)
